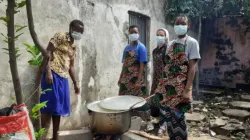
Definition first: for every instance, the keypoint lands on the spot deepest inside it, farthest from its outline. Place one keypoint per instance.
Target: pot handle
(132, 107)
(90, 112)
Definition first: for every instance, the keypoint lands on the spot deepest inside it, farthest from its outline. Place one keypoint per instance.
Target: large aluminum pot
(108, 121)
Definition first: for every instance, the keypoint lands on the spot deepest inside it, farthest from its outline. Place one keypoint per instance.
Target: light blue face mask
(133, 37)
(160, 40)
(180, 29)
(76, 35)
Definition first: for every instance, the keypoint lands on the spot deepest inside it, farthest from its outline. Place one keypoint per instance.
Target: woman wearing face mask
(132, 81)
(174, 91)
(162, 38)
(60, 66)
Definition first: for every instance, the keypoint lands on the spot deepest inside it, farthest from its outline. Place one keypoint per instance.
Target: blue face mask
(133, 37)
(160, 40)
(180, 29)
(76, 35)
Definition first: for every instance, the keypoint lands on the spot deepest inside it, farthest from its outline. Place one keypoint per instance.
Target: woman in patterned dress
(162, 38)
(174, 91)
(60, 66)
(132, 81)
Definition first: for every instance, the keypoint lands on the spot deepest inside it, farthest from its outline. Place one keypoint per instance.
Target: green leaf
(43, 92)
(13, 98)
(6, 37)
(37, 107)
(40, 133)
(6, 49)
(21, 4)
(5, 19)
(19, 28)
(16, 37)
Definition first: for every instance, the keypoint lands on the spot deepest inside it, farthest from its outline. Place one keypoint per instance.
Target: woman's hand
(77, 89)
(138, 84)
(49, 78)
(187, 95)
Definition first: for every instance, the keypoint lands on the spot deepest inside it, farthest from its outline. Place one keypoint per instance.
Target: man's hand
(187, 95)
(77, 89)
(49, 78)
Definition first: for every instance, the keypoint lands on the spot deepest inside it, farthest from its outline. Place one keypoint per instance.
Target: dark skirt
(58, 98)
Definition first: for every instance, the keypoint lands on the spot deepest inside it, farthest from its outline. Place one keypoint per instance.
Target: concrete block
(136, 123)
(82, 134)
(131, 136)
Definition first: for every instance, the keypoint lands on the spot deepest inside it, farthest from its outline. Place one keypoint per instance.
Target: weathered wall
(99, 52)
(223, 57)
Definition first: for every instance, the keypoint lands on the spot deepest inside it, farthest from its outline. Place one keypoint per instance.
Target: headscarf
(166, 32)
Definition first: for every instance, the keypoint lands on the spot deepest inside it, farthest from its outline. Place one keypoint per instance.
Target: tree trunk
(198, 66)
(10, 12)
(36, 98)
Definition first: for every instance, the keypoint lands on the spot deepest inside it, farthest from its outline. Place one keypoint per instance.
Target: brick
(131, 136)
(136, 123)
(82, 134)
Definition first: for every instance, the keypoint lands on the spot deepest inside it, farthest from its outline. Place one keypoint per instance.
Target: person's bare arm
(73, 77)
(141, 70)
(119, 81)
(45, 65)
(187, 93)
(191, 73)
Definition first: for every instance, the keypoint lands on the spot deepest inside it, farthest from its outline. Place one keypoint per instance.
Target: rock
(204, 110)
(84, 133)
(202, 138)
(229, 128)
(241, 105)
(224, 118)
(212, 133)
(229, 97)
(219, 99)
(234, 121)
(211, 92)
(238, 114)
(197, 109)
(193, 123)
(221, 137)
(245, 97)
(196, 117)
(197, 102)
(204, 129)
(217, 123)
(224, 103)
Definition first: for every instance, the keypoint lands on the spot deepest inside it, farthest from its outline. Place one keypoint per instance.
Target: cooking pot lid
(94, 106)
(123, 102)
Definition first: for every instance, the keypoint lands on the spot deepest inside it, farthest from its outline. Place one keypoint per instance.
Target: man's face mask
(180, 29)
(76, 35)
(133, 37)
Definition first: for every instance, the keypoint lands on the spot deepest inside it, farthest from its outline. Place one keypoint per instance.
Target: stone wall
(98, 54)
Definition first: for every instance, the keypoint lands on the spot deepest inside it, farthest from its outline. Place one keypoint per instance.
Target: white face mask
(76, 35)
(180, 29)
(160, 40)
(133, 37)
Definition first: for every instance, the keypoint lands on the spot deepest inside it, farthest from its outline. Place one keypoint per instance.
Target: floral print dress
(131, 66)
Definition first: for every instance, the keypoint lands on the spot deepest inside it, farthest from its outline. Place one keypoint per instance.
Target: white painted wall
(99, 52)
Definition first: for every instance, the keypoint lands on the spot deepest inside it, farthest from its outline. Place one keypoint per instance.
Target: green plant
(40, 133)
(36, 59)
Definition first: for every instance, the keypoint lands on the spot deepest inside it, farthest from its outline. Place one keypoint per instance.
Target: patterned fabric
(64, 51)
(131, 67)
(58, 98)
(158, 66)
(176, 123)
(174, 79)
